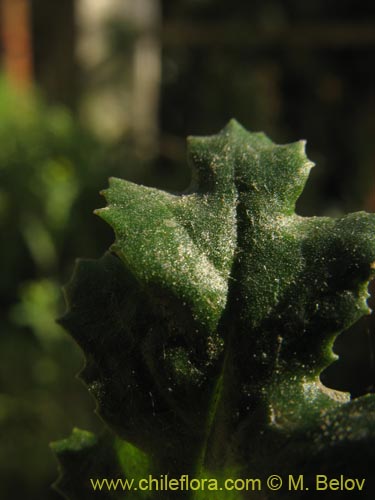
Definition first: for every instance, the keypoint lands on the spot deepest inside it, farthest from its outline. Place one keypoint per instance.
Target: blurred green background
(93, 88)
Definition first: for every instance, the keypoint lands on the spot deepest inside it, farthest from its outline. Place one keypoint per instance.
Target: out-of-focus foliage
(49, 170)
(47, 163)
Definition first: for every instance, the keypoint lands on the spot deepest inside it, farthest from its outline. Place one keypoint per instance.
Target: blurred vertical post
(147, 75)
(17, 43)
(121, 87)
(54, 40)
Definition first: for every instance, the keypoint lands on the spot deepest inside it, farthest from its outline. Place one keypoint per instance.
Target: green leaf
(80, 456)
(206, 330)
(85, 460)
(143, 365)
(184, 244)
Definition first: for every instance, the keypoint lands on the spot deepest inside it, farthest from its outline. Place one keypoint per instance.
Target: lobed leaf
(206, 329)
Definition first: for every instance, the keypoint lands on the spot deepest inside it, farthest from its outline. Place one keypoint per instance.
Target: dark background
(87, 96)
